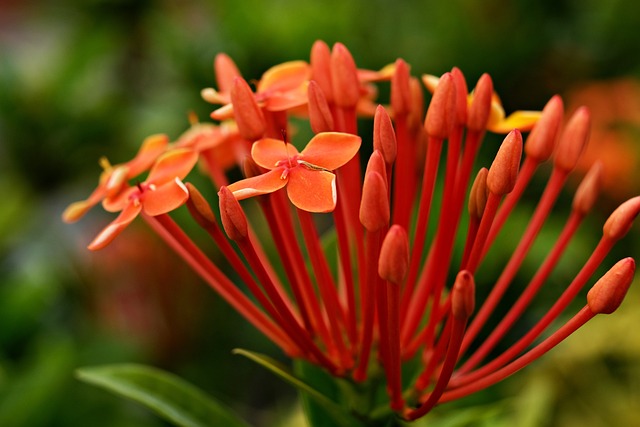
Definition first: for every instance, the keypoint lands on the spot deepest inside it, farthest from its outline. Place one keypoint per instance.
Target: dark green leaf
(166, 394)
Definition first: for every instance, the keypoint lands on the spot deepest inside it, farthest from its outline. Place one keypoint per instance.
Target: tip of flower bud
(384, 137)
(504, 170)
(607, 294)
(247, 113)
(376, 163)
(441, 113)
(478, 194)
(542, 139)
(400, 89)
(588, 190)
(199, 207)
(344, 77)
(461, 96)
(394, 255)
(226, 71)
(480, 109)
(374, 207)
(620, 221)
(573, 140)
(232, 216)
(319, 113)
(463, 295)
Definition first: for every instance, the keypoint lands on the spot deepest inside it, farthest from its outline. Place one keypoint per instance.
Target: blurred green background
(81, 79)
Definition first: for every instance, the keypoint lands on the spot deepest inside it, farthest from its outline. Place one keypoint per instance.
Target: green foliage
(166, 394)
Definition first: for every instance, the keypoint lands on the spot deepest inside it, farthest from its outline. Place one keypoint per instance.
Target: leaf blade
(169, 396)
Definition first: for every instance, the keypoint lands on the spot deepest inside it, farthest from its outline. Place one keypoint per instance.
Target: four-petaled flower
(307, 174)
(162, 192)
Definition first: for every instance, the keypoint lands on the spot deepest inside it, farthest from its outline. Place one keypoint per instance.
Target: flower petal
(152, 147)
(258, 185)
(331, 150)
(312, 190)
(173, 164)
(284, 77)
(164, 198)
(128, 214)
(282, 101)
(521, 120)
(120, 200)
(267, 152)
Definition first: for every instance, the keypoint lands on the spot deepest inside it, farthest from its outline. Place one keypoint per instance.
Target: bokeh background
(81, 79)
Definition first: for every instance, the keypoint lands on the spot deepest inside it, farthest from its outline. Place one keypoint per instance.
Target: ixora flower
(311, 185)
(399, 307)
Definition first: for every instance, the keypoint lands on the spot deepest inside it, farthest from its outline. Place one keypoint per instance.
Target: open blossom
(400, 307)
(310, 183)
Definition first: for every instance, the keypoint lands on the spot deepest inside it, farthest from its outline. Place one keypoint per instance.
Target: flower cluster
(389, 300)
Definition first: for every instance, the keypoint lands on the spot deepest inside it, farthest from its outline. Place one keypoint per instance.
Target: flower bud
(394, 255)
(504, 170)
(247, 113)
(480, 109)
(607, 294)
(573, 140)
(384, 136)
(587, 192)
(441, 113)
(463, 295)
(620, 221)
(542, 139)
(319, 113)
(233, 218)
(374, 207)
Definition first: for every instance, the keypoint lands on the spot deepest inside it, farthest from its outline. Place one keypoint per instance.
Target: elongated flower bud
(607, 294)
(478, 194)
(587, 192)
(504, 170)
(384, 137)
(344, 77)
(463, 295)
(573, 140)
(319, 112)
(199, 207)
(461, 96)
(376, 163)
(321, 68)
(620, 221)
(374, 208)
(480, 108)
(233, 218)
(542, 139)
(442, 109)
(246, 111)
(400, 90)
(394, 255)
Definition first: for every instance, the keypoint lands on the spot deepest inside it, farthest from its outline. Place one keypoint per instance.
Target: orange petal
(152, 147)
(521, 120)
(282, 101)
(128, 214)
(330, 150)
(212, 96)
(120, 200)
(164, 198)
(258, 185)
(76, 210)
(266, 152)
(284, 77)
(173, 164)
(223, 113)
(312, 190)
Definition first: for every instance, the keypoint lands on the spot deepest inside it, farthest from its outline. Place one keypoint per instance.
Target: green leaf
(339, 415)
(166, 394)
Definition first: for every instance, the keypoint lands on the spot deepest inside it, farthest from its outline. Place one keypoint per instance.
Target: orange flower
(113, 178)
(281, 88)
(311, 184)
(162, 192)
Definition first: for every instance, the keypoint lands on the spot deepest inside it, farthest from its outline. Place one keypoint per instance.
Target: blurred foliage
(81, 79)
